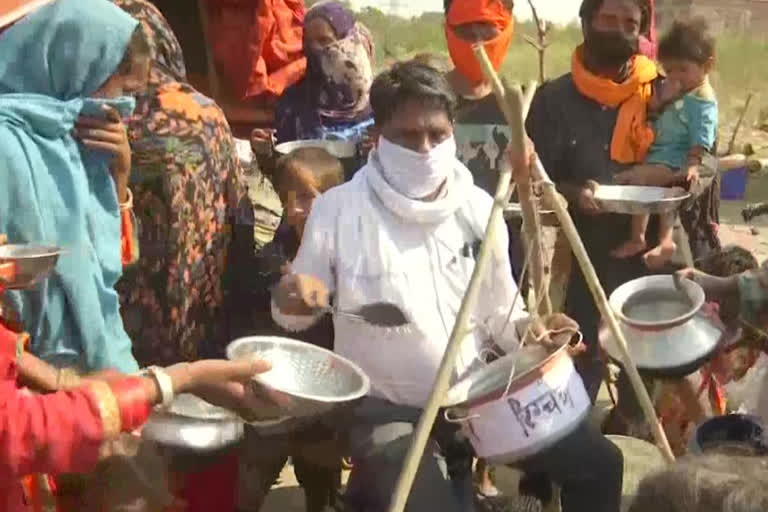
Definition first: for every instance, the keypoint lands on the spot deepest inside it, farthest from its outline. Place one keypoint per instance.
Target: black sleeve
(545, 131)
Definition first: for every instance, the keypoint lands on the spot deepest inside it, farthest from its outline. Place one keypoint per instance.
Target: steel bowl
(674, 352)
(192, 424)
(305, 380)
(656, 302)
(348, 152)
(637, 200)
(26, 264)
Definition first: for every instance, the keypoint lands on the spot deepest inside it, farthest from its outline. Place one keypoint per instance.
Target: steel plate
(637, 200)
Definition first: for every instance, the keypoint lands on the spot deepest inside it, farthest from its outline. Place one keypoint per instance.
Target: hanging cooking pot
(668, 332)
(540, 404)
(349, 153)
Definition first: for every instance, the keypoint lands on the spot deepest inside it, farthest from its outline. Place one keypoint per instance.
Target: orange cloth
(257, 44)
(129, 248)
(633, 135)
(474, 11)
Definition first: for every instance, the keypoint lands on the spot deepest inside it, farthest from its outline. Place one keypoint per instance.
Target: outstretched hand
(521, 162)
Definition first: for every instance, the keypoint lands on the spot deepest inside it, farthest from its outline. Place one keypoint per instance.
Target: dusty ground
(288, 497)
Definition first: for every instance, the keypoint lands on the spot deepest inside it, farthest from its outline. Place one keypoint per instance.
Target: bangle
(164, 384)
(66, 379)
(128, 204)
(132, 402)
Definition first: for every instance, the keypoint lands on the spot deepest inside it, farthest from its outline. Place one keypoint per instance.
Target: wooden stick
(601, 300)
(514, 115)
(539, 174)
(460, 329)
(737, 128)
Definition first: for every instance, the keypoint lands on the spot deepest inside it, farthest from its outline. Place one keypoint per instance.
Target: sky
(559, 11)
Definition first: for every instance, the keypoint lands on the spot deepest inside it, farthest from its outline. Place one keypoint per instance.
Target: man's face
(622, 16)
(418, 127)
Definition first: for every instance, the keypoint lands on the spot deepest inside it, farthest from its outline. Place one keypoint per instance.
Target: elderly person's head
(473, 21)
(612, 29)
(712, 483)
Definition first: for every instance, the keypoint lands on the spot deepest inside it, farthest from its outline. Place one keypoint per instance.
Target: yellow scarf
(632, 136)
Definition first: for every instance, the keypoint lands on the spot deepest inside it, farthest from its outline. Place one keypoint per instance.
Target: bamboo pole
(514, 113)
(539, 174)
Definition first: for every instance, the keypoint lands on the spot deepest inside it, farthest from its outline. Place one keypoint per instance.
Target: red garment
(55, 433)
(212, 488)
(257, 44)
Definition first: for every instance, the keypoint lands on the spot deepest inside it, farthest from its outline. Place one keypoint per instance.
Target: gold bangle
(128, 204)
(67, 379)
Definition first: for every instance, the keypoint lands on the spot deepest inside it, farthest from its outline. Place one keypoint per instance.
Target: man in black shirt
(482, 137)
(577, 130)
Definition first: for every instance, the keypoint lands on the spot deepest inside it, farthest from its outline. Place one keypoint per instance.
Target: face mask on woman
(413, 174)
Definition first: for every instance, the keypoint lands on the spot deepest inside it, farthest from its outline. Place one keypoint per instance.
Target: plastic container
(733, 185)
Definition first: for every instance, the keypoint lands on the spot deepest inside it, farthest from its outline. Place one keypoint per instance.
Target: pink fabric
(649, 45)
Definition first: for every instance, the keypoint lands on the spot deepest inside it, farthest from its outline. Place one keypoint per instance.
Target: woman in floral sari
(186, 179)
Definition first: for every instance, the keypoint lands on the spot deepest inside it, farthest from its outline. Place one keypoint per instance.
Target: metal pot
(349, 153)
(192, 425)
(25, 265)
(656, 303)
(667, 332)
(675, 352)
(538, 408)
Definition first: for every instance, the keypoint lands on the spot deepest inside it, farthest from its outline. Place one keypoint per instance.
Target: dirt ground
(288, 497)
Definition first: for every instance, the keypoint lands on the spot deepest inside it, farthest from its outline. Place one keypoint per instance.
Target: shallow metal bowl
(305, 380)
(338, 148)
(29, 264)
(655, 302)
(674, 352)
(635, 200)
(193, 424)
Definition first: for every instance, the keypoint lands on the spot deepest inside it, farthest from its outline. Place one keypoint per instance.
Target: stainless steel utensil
(305, 380)
(635, 200)
(31, 264)
(656, 302)
(673, 352)
(191, 423)
(380, 314)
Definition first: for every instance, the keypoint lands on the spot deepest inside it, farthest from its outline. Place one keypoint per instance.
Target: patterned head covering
(342, 72)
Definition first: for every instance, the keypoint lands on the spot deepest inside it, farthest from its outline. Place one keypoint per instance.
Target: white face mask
(417, 175)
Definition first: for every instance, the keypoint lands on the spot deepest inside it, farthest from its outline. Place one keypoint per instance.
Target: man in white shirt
(406, 230)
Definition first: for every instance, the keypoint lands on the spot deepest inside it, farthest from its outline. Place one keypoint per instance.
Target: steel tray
(637, 200)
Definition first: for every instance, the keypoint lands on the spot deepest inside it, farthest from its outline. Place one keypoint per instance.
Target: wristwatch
(163, 382)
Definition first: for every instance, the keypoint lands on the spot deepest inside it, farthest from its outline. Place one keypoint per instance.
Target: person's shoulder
(341, 196)
(479, 201)
(557, 87)
(704, 94)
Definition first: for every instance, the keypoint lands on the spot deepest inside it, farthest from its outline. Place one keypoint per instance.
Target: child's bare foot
(628, 249)
(660, 255)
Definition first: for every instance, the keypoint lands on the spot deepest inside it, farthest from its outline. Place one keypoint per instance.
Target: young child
(299, 178)
(685, 130)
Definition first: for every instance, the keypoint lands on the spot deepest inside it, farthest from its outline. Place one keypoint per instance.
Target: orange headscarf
(474, 11)
(632, 136)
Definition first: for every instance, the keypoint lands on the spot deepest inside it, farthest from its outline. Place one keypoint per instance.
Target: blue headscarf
(55, 191)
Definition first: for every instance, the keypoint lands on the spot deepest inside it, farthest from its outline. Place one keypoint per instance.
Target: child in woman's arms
(686, 128)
